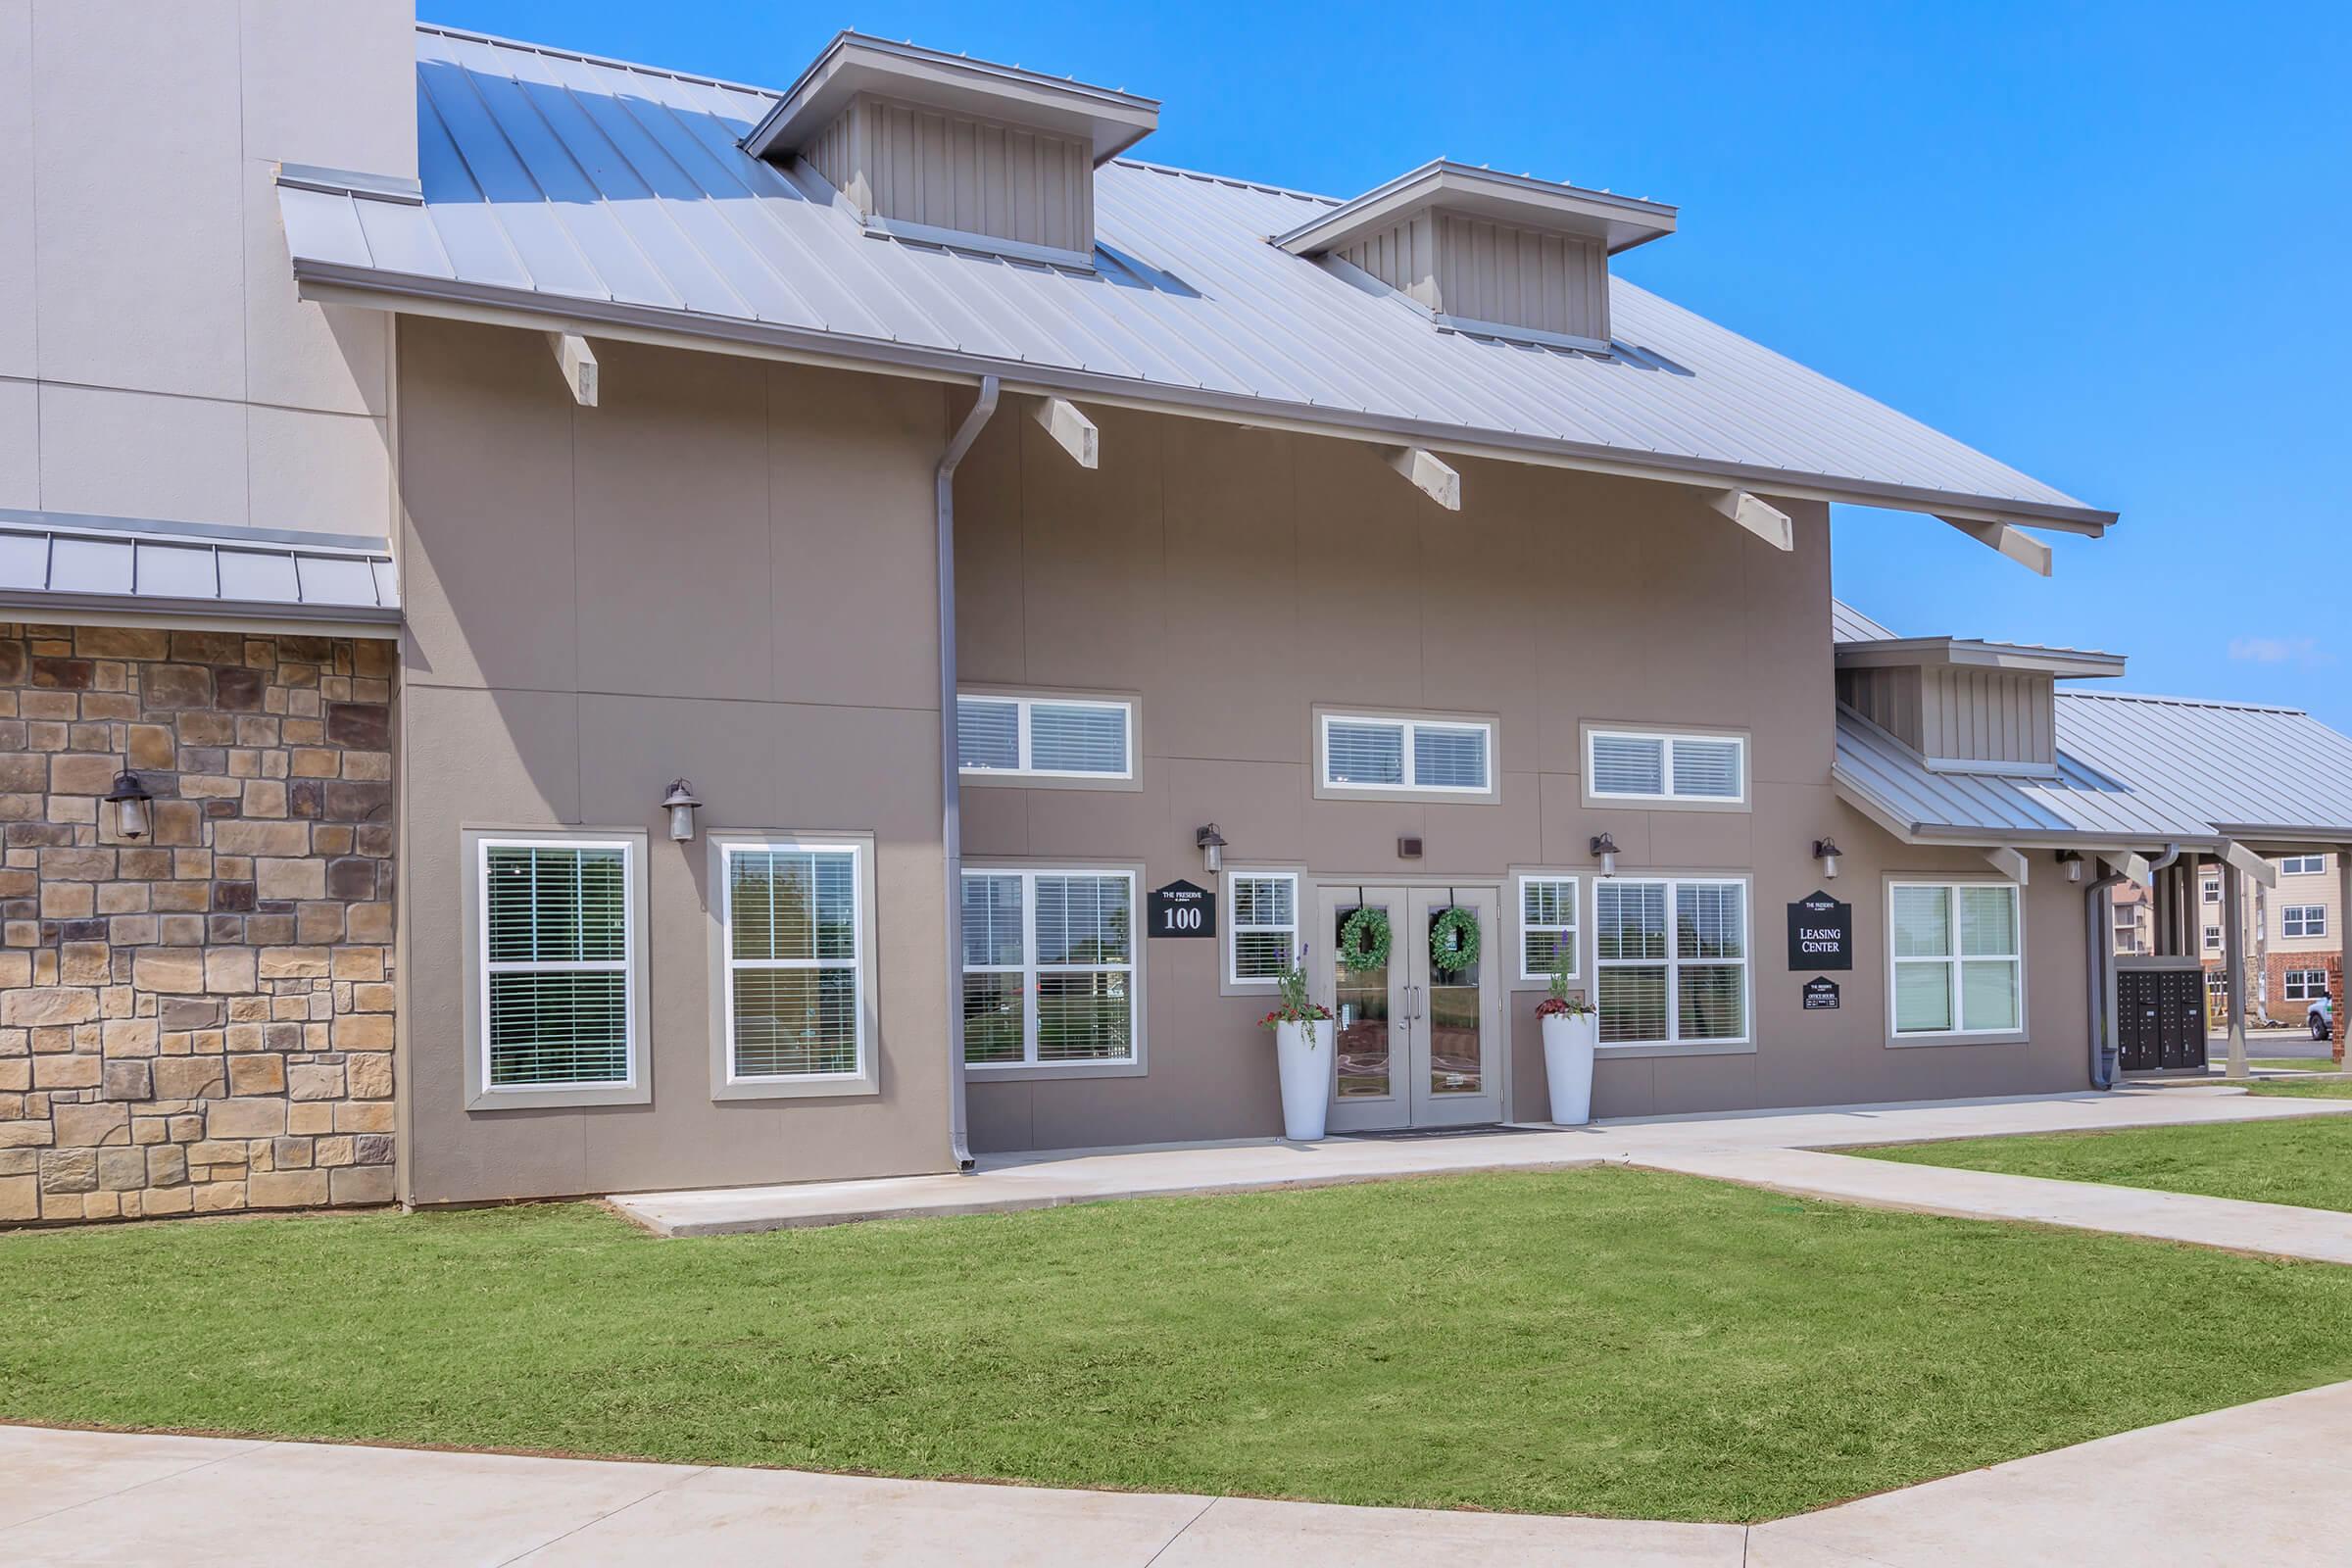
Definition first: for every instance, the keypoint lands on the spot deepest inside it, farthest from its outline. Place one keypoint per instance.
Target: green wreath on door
(1364, 941)
(1453, 941)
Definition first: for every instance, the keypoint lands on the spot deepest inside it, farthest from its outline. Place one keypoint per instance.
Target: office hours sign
(1821, 933)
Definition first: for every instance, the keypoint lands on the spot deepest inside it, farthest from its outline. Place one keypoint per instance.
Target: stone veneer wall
(201, 1020)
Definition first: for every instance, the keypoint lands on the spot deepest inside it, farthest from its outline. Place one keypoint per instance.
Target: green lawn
(2304, 1160)
(2303, 1088)
(1605, 1341)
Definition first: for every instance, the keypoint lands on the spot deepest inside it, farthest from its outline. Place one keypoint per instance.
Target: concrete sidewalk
(1004, 1183)
(112, 1498)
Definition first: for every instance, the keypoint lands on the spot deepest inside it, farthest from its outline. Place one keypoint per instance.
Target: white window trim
(2314, 921)
(2213, 938)
(1669, 802)
(636, 1087)
(1029, 1068)
(2303, 865)
(1674, 1044)
(1522, 979)
(725, 1083)
(1233, 985)
(2289, 980)
(1327, 789)
(2212, 891)
(1025, 701)
(1955, 1036)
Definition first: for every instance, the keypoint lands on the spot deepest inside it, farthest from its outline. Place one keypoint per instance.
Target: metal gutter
(341, 283)
(951, 779)
(219, 615)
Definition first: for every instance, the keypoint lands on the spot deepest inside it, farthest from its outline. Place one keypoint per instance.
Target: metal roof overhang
(1851, 792)
(341, 283)
(211, 614)
(1619, 223)
(2065, 664)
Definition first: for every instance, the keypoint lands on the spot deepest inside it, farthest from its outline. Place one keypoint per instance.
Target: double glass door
(1420, 1043)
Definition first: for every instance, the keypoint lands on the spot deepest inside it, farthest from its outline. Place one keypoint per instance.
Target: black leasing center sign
(1821, 933)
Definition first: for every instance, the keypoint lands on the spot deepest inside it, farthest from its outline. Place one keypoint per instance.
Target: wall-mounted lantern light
(129, 799)
(1212, 848)
(1826, 852)
(681, 805)
(2073, 864)
(1604, 848)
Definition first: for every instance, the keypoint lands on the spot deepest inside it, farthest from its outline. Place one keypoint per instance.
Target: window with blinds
(1446, 757)
(1547, 923)
(1958, 956)
(559, 950)
(1671, 960)
(1046, 737)
(1262, 931)
(1661, 767)
(794, 935)
(1049, 968)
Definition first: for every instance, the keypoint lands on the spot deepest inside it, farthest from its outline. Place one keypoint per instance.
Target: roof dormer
(1964, 706)
(1491, 254)
(941, 149)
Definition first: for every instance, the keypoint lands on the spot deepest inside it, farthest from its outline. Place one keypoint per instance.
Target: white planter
(1568, 1067)
(1303, 1050)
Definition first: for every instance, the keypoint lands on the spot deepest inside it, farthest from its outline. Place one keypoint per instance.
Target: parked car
(2321, 1018)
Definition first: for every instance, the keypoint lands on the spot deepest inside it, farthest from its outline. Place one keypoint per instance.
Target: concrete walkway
(1040, 1181)
(113, 1498)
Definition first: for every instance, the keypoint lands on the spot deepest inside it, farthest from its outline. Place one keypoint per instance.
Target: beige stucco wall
(145, 302)
(723, 572)
(1237, 578)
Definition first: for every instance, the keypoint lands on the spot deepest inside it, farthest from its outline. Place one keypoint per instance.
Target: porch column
(2344, 972)
(2234, 961)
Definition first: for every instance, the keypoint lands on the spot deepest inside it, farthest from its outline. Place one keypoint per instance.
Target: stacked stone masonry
(200, 1021)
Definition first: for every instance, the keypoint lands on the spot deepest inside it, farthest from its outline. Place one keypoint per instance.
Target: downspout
(2099, 914)
(951, 784)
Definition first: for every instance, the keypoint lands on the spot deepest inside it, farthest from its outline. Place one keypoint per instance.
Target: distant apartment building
(2294, 937)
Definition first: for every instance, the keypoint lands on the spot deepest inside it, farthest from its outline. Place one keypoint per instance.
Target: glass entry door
(1418, 1044)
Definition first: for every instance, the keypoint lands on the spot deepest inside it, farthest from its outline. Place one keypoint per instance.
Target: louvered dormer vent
(1490, 255)
(941, 149)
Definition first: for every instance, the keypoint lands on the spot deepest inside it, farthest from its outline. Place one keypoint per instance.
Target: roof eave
(1970, 652)
(341, 283)
(1623, 222)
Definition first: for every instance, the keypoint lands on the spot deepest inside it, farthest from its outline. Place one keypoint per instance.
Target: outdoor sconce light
(681, 805)
(129, 799)
(1826, 852)
(2073, 864)
(1605, 847)
(1213, 848)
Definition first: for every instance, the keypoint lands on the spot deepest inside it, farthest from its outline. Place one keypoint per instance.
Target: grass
(1604, 1341)
(2303, 1160)
(2302, 1088)
(2314, 1065)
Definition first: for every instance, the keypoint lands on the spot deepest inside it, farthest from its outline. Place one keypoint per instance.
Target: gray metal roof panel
(79, 561)
(1850, 625)
(551, 178)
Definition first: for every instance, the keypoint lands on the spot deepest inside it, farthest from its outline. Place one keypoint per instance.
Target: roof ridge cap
(2183, 702)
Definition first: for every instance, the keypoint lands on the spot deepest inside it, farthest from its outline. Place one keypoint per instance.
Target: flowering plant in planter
(1559, 1004)
(1297, 1006)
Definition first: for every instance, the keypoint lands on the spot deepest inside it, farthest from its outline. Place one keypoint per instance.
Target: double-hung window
(1262, 934)
(2303, 864)
(793, 994)
(1049, 974)
(1959, 958)
(1548, 925)
(1064, 740)
(2213, 938)
(1440, 759)
(2306, 985)
(2212, 890)
(2303, 921)
(1661, 768)
(1671, 960)
(554, 933)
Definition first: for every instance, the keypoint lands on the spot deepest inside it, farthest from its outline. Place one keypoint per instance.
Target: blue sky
(2110, 244)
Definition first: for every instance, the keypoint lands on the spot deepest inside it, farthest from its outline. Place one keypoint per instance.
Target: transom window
(1959, 958)
(1049, 968)
(2303, 921)
(2303, 864)
(1424, 755)
(1046, 737)
(1671, 960)
(1547, 923)
(559, 971)
(1264, 931)
(794, 939)
(1659, 766)
(2306, 985)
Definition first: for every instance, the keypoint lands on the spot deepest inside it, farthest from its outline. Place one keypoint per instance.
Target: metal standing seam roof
(50, 566)
(595, 192)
